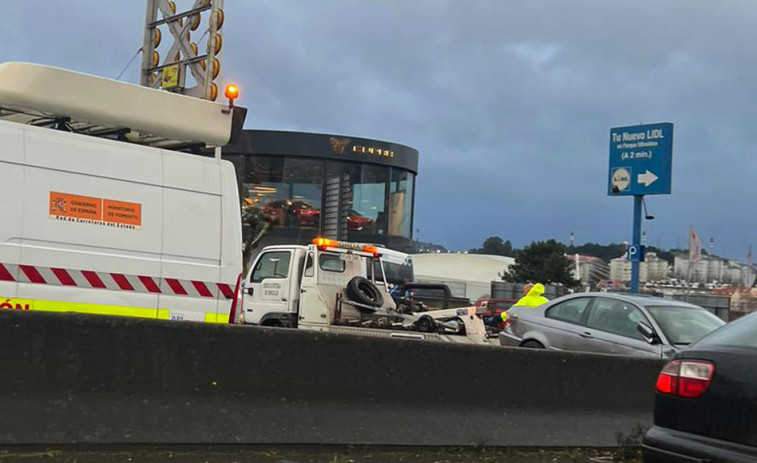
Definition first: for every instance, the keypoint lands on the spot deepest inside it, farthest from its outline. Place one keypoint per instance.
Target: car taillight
(667, 382)
(685, 378)
(695, 378)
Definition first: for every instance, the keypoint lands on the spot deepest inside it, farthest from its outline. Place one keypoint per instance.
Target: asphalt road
(311, 455)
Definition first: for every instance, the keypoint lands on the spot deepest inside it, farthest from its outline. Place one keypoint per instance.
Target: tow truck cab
(303, 286)
(398, 266)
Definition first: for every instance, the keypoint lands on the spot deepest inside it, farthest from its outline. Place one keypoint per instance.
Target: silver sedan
(609, 323)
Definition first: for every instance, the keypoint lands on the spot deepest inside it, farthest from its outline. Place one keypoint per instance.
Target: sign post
(636, 243)
(641, 159)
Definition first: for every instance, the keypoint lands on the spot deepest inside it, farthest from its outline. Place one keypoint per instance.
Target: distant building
(709, 269)
(657, 269)
(652, 269)
(733, 273)
(620, 270)
(701, 271)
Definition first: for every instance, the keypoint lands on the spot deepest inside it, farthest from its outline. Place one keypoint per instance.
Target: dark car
(706, 403)
(609, 323)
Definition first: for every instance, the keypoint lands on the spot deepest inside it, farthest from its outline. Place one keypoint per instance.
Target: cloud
(509, 103)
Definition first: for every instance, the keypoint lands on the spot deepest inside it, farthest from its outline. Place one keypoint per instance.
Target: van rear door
(11, 210)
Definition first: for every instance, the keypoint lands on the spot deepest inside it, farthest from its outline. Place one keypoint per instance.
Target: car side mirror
(250, 291)
(648, 333)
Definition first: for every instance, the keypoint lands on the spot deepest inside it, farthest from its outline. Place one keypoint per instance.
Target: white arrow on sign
(647, 178)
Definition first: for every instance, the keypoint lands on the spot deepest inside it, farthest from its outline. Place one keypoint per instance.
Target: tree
(495, 245)
(605, 252)
(542, 262)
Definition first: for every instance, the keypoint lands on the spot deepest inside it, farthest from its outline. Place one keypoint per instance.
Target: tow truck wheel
(426, 324)
(272, 322)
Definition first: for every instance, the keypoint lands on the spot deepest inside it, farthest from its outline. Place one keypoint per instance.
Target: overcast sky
(509, 102)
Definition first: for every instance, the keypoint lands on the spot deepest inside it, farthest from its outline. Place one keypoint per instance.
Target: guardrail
(507, 290)
(73, 379)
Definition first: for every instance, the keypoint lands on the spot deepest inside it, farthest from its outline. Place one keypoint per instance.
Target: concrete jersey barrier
(72, 379)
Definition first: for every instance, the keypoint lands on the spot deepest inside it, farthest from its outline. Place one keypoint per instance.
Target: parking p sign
(635, 253)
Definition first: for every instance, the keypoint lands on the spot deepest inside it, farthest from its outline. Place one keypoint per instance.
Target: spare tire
(362, 290)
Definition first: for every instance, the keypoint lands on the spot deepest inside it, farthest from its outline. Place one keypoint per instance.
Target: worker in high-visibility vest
(532, 298)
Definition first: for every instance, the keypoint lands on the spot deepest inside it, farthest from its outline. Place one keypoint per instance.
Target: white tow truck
(341, 287)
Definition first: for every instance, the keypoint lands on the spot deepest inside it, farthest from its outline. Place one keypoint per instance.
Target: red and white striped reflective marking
(114, 281)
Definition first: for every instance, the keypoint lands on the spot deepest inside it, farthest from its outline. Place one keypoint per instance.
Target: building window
(264, 183)
(355, 201)
(287, 189)
(305, 180)
(368, 212)
(401, 203)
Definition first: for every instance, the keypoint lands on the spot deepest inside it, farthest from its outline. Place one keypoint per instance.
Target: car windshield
(684, 325)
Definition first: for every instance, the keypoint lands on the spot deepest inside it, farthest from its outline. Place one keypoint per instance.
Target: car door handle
(586, 335)
(283, 299)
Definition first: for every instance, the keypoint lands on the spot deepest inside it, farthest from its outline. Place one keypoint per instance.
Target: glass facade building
(339, 187)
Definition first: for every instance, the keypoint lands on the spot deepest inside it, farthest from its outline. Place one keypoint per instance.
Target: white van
(94, 225)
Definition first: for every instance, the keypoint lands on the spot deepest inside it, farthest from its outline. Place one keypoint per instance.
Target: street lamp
(646, 214)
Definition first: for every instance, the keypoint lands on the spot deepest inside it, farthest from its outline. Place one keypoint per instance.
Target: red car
(303, 214)
(492, 309)
(358, 222)
(306, 214)
(292, 213)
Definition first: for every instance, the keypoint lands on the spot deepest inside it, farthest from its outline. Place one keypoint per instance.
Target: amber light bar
(324, 243)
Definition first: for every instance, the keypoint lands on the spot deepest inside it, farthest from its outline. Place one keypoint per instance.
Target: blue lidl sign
(641, 160)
